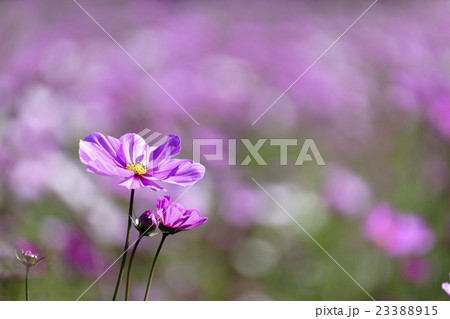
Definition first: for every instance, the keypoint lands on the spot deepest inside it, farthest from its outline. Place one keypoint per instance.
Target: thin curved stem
(125, 248)
(27, 293)
(152, 270)
(130, 266)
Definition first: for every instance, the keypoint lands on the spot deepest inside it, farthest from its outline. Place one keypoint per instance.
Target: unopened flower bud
(29, 258)
(146, 223)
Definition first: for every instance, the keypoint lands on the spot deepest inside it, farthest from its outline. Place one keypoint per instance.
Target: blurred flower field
(376, 104)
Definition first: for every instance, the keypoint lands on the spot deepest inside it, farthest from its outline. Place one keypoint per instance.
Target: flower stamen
(137, 168)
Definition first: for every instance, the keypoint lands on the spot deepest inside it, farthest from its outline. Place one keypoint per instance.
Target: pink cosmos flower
(398, 234)
(139, 164)
(173, 217)
(446, 287)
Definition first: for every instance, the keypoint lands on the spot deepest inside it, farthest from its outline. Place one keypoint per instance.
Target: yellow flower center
(137, 168)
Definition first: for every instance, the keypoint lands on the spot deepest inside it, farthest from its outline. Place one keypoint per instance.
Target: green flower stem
(125, 248)
(152, 270)
(27, 293)
(130, 265)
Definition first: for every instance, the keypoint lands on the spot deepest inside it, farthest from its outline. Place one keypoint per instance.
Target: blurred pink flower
(79, 253)
(416, 270)
(241, 205)
(446, 287)
(398, 234)
(346, 192)
(439, 114)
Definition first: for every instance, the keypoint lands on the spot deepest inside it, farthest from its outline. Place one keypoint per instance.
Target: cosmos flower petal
(180, 171)
(97, 146)
(197, 223)
(170, 215)
(147, 182)
(134, 149)
(162, 202)
(170, 148)
(194, 219)
(89, 152)
(107, 169)
(132, 182)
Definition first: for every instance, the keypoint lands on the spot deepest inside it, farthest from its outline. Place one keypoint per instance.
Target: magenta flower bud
(29, 258)
(146, 223)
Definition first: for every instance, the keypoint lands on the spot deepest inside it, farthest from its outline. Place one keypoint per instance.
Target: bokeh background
(377, 105)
